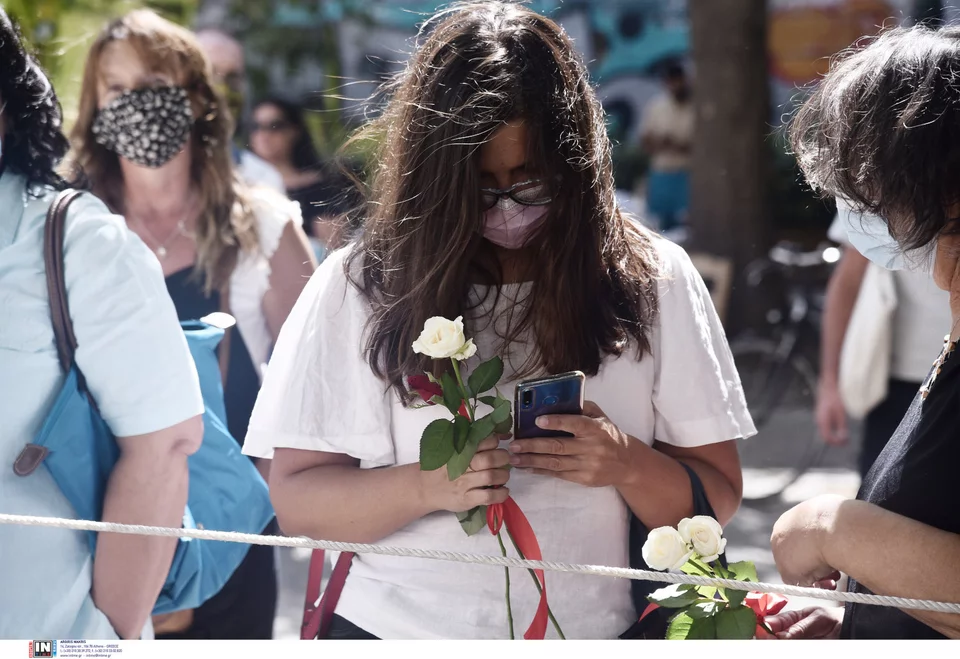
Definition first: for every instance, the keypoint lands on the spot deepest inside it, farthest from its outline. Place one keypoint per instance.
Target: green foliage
(436, 445)
(461, 428)
(485, 377)
(452, 398)
(459, 461)
(674, 596)
(684, 627)
(473, 520)
(739, 623)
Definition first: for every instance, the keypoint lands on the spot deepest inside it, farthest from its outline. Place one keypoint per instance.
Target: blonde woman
(152, 140)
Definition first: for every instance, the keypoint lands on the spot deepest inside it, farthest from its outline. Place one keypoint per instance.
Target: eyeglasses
(272, 127)
(535, 192)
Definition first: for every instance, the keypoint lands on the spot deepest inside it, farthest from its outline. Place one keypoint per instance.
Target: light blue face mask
(870, 236)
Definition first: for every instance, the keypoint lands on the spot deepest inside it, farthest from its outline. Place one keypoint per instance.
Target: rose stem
(463, 390)
(506, 574)
(536, 582)
(706, 572)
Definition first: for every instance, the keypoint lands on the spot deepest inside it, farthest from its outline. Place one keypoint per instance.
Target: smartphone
(556, 394)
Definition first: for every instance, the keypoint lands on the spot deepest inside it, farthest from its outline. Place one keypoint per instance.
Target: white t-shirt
(319, 394)
(921, 320)
(137, 367)
(665, 117)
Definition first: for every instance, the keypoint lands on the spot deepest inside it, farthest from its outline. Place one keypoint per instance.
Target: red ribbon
(763, 605)
(509, 514)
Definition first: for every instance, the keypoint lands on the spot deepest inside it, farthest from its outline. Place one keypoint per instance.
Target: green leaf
(735, 597)
(432, 377)
(743, 571)
(436, 445)
(473, 520)
(489, 400)
(683, 627)
(485, 376)
(461, 428)
(458, 464)
(737, 623)
(480, 430)
(704, 609)
(708, 592)
(452, 398)
(674, 596)
(505, 427)
(501, 411)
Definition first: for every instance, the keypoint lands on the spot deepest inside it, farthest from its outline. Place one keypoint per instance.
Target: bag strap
(53, 232)
(317, 616)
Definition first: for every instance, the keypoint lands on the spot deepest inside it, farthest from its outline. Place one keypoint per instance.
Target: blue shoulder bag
(226, 491)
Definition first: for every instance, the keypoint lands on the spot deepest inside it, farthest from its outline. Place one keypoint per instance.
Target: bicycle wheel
(781, 398)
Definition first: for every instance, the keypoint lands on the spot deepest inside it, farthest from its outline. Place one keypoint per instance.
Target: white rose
(665, 549)
(442, 338)
(706, 536)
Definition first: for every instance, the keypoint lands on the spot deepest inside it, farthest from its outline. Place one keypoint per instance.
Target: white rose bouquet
(705, 612)
(453, 443)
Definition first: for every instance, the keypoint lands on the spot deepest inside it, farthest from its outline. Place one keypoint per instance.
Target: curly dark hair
(34, 143)
(882, 130)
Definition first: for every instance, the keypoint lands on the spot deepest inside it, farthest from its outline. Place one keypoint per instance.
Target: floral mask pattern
(147, 126)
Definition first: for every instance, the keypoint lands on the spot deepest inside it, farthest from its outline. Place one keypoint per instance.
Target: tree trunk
(728, 206)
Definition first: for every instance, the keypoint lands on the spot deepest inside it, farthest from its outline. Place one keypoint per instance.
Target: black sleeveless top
(914, 476)
(243, 383)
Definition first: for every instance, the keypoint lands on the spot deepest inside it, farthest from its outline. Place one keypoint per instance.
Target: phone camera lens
(526, 398)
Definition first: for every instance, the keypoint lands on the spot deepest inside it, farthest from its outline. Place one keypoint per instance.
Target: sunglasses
(272, 127)
(535, 192)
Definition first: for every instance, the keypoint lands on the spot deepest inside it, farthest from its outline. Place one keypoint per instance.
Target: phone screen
(560, 394)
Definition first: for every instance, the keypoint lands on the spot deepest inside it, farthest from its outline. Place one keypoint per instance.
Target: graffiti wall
(625, 42)
(804, 34)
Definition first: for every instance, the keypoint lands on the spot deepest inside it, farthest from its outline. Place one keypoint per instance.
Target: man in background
(229, 71)
(666, 134)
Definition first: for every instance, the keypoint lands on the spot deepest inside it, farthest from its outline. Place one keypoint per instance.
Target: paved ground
(748, 534)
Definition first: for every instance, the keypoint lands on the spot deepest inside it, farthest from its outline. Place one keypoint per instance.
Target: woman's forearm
(893, 555)
(129, 570)
(348, 504)
(659, 491)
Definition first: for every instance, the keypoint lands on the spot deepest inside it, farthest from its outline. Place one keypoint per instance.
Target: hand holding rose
(479, 486)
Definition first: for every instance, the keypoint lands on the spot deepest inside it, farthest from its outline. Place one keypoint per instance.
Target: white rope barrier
(482, 559)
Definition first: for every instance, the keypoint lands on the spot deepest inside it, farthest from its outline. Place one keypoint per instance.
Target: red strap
(317, 616)
(518, 526)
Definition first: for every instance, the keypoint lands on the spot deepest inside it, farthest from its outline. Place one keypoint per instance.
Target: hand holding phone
(556, 394)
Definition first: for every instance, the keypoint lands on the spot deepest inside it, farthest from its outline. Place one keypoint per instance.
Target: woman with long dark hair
(136, 367)
(882, 132)
(279, 134)
(493, 198)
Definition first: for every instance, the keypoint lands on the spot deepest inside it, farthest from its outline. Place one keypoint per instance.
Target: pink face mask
(510, 225)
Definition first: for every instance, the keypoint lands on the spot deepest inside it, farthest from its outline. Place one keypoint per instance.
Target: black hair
(882, 130)
(33, 143)
(674, 71)
(304, 155)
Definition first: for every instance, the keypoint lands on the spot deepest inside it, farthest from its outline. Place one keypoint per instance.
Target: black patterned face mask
(147, 126)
